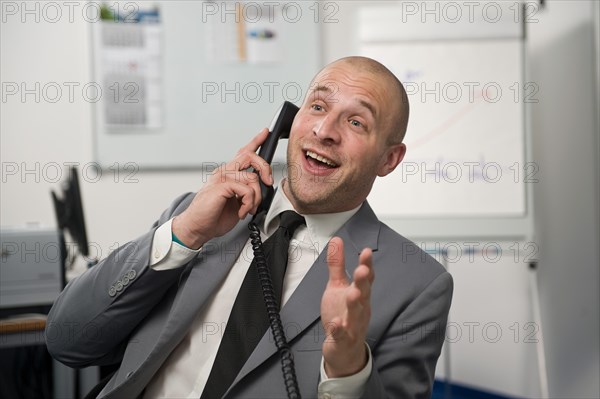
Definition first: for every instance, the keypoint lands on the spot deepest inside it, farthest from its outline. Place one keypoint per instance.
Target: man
(160, 307)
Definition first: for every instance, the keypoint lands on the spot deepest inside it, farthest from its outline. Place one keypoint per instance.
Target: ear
(392, 157)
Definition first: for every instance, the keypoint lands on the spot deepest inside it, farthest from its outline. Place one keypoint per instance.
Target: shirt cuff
(345, 387)
(166, 254)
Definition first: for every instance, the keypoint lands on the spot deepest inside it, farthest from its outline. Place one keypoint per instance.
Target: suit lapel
(208, 271)
(304, 306)
(198, 283)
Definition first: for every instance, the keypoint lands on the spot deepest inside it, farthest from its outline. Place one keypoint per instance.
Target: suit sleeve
(404, 359)
(91, 319)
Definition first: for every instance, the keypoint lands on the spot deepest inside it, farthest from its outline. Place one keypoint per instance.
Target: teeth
(321, 159)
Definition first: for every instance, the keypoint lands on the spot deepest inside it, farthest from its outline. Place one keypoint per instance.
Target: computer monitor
(69, 212)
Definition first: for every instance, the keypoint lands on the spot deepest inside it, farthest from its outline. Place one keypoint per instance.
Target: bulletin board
(185, 84)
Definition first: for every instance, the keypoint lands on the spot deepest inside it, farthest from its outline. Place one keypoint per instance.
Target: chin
(308, 200)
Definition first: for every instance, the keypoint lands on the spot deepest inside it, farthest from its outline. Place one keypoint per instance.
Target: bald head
(399, 100)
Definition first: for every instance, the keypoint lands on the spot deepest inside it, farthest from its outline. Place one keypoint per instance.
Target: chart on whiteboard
(465, 139)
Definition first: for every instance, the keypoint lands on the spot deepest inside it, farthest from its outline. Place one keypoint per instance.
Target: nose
(326, 129)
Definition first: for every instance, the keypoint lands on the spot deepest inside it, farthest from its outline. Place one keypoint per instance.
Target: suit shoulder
(407, 256)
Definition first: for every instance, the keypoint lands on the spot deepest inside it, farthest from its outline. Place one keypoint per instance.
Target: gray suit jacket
(123, 311)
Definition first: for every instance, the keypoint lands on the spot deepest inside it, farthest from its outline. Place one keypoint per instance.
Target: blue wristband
(178, 241)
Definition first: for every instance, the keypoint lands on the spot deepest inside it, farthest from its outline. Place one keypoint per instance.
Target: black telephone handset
(279, 129)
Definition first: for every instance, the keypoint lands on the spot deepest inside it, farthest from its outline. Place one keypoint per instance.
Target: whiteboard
(466, 171)
(465, 139)
(207, 101)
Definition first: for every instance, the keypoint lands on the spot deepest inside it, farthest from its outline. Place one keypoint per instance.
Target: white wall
(566, 197)
(565, 146)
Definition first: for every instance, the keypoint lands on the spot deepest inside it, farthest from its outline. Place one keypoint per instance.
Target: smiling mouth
(320, 160)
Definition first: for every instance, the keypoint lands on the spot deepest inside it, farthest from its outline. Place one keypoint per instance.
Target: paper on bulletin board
(129, 65)
(253, 36)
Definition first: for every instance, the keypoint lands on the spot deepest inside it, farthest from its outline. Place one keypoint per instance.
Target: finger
(366, 258)
(248, 178)
(357, 313)
(249, 201)
(264, 171)
(353, 302)
(335, 261)
(244, 194)
(246, 160)
(362, 282)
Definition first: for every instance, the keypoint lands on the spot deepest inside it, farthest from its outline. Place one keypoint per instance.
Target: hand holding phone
(230, 194)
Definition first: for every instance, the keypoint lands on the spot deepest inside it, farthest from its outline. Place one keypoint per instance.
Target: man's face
(338, 141)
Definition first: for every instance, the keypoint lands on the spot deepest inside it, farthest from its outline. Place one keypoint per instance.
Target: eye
(357, 123)
(316, 107)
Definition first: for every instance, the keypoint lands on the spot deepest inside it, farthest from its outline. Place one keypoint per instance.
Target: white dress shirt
(186, 370)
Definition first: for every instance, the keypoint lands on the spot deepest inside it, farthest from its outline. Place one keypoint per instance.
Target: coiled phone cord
(264, 275)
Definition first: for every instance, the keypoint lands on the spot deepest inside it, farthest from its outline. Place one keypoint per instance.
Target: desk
(28, 330)
(22, 330)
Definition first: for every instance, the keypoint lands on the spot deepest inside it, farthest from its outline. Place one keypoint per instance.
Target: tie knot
(290, 221)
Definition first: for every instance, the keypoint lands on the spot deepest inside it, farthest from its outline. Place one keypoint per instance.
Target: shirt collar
(321, 227)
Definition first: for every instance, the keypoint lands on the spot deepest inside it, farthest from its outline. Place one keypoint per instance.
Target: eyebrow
(322, 88)
(328, 90)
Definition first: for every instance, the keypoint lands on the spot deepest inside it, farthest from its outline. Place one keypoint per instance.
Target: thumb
(335, 261)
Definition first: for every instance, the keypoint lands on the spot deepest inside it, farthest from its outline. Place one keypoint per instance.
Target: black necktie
(248, 320)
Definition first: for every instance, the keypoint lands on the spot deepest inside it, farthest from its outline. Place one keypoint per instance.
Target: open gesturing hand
(346, 311)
